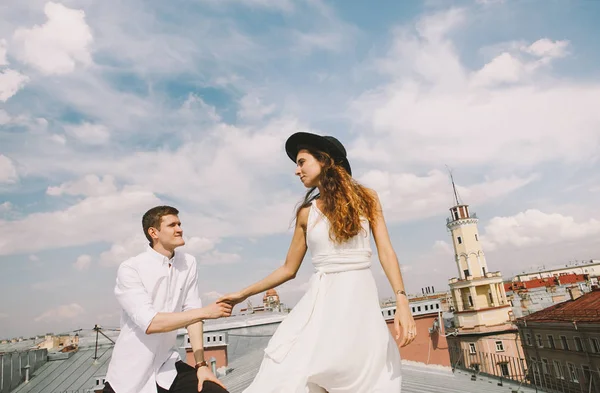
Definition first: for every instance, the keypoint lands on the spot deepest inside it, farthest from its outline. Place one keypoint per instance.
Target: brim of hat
(318, 142)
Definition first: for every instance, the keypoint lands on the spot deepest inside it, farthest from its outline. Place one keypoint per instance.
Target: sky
(110, 108)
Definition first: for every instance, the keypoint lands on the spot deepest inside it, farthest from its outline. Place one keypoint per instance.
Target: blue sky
(107, 109)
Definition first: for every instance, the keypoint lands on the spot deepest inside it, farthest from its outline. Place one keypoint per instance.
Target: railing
(559, 377)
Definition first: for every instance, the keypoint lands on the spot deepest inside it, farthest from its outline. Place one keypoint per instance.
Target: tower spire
(453, 186)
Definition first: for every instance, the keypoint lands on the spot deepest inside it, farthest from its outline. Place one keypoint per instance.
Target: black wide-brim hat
(328, 144)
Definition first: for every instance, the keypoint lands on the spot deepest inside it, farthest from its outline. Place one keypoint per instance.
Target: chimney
(27, 373)
(575, 293)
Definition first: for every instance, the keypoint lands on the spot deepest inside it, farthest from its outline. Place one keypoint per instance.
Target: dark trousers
(186, 381)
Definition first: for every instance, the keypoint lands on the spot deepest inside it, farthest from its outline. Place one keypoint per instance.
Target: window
(551, 341)
(538, 339)
(413, 309)
(578, 344)
(491, 297)
(572, 373)
(472, 349)
(437, 306)
(565, 344)
(220, 338)
(476, 238)
(558, 371)
(426, 307)
(459, 240)
(475, 366)
(470, 301)
(528, 339)
(499, 346)
(534, 365)
(595, 345)
(545, 366)
(389, 312)
(483, 270)
(587, 374)
(418, 308)
(207, 339)
(504, 369)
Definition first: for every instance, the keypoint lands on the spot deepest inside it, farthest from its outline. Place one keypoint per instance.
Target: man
(158, 292)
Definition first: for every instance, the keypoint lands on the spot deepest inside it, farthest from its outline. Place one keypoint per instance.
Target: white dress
(335, 339)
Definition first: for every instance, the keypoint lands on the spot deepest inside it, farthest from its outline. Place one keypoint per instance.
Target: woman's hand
(404, 323)
(232, 298)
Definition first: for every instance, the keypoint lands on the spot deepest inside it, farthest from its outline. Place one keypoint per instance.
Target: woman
(335, 339)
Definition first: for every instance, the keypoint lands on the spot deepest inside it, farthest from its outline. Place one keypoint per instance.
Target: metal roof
(416, 377)
(583, 309)
(77, 373)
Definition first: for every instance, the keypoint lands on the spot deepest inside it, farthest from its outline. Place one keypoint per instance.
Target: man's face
(170, 234)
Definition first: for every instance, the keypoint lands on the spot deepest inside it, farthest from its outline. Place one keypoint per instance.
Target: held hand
(405, 325)
(204, 374)
(232, 298)
(218, 310)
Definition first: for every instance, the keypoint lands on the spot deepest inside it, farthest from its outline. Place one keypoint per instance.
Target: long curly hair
(345, 201)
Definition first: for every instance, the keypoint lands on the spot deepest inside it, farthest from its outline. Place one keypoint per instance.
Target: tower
(478, 294)
(485, 339)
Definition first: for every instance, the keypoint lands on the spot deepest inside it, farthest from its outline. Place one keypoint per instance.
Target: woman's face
(308, 168)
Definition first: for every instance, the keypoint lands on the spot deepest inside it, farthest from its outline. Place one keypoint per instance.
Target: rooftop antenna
(453, 186)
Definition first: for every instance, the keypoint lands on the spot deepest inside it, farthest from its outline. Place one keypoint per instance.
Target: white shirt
(147, 284)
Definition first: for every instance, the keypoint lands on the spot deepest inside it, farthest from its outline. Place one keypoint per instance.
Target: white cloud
(219, 258)
(89, 185)
(198, 245)
(104, 218)
(49, 286)
(5, 206)
(3, 59)
(534, 227)
(252, 108)
(212, 295)
(282, 5)
(123, 250)
(3, 315)
(11, 82)
(57, 46)
(503, 69)
(83, 262)
(34, 258)
(489, 2)
(60, 139)
(8, 171)
(546, 48)
(443, 247)
(67, 311)
(91, 134)
(434, 110)
(406, 196)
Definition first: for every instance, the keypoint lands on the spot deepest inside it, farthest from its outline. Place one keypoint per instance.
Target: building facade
(562, 344)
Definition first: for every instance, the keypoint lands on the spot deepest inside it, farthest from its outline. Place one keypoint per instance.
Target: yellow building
(484, 338)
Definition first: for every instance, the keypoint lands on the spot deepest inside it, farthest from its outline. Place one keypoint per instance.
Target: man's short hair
(153, 217)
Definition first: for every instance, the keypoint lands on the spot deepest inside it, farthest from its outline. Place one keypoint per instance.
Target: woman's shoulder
(302, 216)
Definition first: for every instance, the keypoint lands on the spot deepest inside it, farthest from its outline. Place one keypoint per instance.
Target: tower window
(459, 240)
(476, 237)
(470, 301)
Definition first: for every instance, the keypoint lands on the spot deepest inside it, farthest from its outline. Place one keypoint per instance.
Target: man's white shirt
(147, 284)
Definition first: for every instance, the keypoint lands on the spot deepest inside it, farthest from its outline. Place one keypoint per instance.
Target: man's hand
(204, 374)
(232, 298)
(218, 310)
